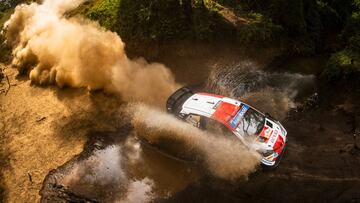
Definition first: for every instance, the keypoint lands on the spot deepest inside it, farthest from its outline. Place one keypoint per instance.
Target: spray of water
(274, 93)
(105, 171)
(224, 157)
(76, 52)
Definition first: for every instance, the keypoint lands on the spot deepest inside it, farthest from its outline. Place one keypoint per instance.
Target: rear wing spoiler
(177, 99)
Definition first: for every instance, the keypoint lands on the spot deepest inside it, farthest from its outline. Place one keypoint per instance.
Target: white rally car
(221, 114)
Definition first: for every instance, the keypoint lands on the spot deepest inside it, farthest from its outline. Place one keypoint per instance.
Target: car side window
(193, 120)
(251, 124)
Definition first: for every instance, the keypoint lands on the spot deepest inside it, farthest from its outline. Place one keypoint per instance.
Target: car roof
(212, 106)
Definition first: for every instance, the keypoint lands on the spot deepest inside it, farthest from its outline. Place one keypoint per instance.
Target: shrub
(5, 51)
(105, 12)
(329, 16)
(354, 43)
(260, 31)
(341, 66)
(289, 14)
(158, 19)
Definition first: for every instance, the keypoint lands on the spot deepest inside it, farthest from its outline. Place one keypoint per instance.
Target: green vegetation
(105, 12)
(303, 27)
(160, 20)
(6, 9)
(341, 66)
(259, 31)
(4, 49)
(346, 63)
(152, 20)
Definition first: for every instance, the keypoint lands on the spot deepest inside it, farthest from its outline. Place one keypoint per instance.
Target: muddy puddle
(117, 167)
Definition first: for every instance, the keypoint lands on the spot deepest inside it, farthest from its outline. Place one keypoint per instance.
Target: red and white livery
(206, 111)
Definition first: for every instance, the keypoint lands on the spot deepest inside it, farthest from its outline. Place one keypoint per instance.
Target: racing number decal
(236, 120)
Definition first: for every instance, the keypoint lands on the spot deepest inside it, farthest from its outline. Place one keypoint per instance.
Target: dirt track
(44, 128)
(41, 129)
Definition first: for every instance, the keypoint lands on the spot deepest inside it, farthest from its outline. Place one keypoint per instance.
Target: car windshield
(252, 123)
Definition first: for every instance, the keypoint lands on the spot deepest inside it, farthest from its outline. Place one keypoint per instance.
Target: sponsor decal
(240, 114)
(273, 137)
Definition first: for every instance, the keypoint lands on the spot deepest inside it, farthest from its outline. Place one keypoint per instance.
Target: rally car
(229, 116)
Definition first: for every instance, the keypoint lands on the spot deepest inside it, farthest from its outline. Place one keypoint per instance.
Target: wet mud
(110, 164)
(117, 167)
(320, 165)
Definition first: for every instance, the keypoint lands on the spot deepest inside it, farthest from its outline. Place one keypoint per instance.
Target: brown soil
(41, 129)
(44, 128)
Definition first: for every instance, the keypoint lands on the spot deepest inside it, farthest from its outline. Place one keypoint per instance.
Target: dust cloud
(77, 52)
(224, 157)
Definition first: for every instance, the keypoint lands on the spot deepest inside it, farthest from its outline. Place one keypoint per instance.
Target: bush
(105, 12)
(171, 19)
(259, 32)
(289, 14)
(329, 16)
(354, 43)
(154, 20)
(5, 51)
(341, 66)
(7, 4)
(343, 7)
